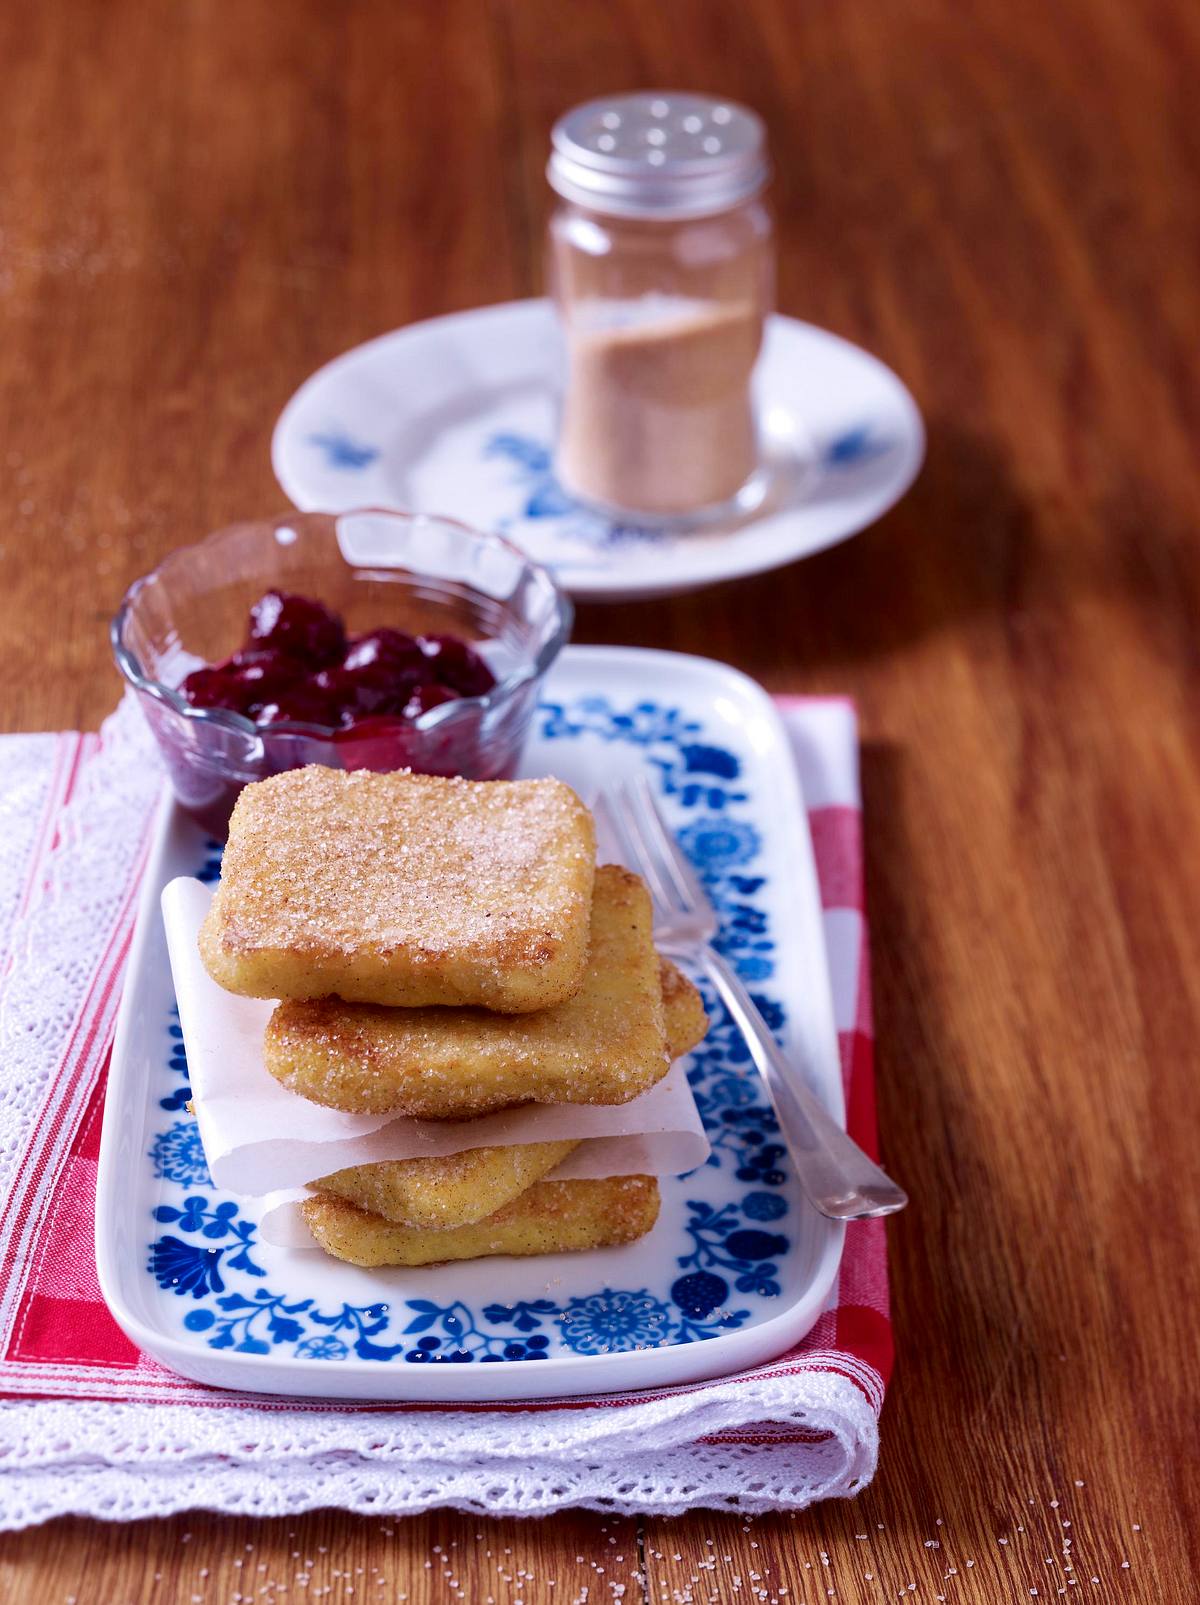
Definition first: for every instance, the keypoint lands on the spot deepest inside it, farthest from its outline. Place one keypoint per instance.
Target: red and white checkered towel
(90, 1425)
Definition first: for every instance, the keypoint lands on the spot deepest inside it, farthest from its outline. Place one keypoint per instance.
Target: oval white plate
(738, 1267)
(456, 416)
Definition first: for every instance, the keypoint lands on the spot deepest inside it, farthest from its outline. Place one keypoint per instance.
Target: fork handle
(836, 1175)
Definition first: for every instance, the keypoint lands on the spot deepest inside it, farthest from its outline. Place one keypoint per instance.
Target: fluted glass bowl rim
(445, 714)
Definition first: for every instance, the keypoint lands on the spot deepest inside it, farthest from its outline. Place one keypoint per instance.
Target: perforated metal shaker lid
(659, 154)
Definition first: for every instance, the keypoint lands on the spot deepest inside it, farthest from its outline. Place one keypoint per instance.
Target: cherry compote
(298, 666)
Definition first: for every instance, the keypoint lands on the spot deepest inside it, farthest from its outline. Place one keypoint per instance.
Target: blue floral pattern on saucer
(461, 413)
(542, 497)
(340, 450)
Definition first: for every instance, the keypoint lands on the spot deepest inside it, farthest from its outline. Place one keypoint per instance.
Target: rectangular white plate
(739, 1265)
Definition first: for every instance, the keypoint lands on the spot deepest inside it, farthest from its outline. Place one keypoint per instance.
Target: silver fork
(837, 1176)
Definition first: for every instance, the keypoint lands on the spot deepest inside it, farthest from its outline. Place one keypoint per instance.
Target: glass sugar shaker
(662, 268)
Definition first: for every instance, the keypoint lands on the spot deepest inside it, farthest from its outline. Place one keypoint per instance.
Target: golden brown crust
(605, 1045)
(446, 1190)
(552, 1217)
(683, 1009)
(405, 890)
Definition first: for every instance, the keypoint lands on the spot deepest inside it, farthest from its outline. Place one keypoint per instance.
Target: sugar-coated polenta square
(404, 890)
(552, 1217)
(604, 1045)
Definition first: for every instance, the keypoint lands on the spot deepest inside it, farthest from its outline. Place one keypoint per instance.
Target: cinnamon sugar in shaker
(661, 261)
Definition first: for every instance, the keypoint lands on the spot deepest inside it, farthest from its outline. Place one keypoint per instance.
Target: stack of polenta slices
(443, 949)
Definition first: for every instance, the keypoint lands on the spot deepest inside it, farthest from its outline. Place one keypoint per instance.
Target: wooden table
(201, 202)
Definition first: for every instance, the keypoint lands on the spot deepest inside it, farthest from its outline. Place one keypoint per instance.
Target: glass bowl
(416, 573)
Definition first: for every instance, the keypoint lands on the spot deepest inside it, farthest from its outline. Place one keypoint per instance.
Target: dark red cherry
(216, 686)
(297, 625)
(263, 674)
(357, 695)
(303, 703)
(383, 652)
(377, 674)
(425, 696)
(457, 665)
(338, 687)
(258, 662)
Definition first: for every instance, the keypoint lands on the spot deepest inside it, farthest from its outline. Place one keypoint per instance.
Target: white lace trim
(56, 944)
(28, 771)
(125, 1461)
(61, 1456)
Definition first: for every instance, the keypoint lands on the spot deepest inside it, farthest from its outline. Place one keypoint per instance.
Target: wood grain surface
(200, 202)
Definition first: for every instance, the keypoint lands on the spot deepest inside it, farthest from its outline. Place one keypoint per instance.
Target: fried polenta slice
(607, 1044)
(552, 1217)
(406, 890)
(448, 1190)
(683, 1010)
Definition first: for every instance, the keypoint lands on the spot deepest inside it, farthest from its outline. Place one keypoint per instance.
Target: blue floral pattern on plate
(178, 1155)
(729, 1250)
